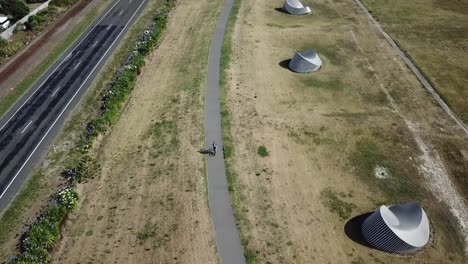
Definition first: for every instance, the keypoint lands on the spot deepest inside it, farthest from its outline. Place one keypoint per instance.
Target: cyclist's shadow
(207, 151)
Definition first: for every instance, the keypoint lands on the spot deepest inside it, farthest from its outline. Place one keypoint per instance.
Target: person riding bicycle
(215, 146)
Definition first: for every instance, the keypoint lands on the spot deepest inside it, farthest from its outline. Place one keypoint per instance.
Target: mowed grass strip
(237, 198)
(434, 33)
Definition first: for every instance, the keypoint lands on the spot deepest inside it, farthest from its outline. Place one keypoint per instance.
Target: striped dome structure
(400, 229)
(307, 61)
(295, 7)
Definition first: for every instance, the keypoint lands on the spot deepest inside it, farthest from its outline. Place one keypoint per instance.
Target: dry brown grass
(326, 132)
(149, 204)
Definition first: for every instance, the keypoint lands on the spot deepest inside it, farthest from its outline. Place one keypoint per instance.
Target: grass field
(435, 35)
(149, 204)
(47, 179)
(306, 152)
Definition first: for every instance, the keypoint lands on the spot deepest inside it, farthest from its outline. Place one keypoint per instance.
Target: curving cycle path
(228, 240)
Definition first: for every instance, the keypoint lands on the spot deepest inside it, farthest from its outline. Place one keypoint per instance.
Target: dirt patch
(149, 204)
(17, 68)
(326, 132)
(381, 172)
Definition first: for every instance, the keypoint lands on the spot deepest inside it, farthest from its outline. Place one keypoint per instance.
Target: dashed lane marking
(58, 66)
(56, 90)
(77, 65)
(26, 127)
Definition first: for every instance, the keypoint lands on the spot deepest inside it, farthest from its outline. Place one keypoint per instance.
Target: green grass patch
(433, 34)
(262, 151)
(148, 232)
(313, 81)
(166, 139)
(337, 204)
(458, 163)
(29, 192)
(402, 185)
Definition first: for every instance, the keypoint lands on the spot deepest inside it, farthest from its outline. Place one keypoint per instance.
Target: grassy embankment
(434, 35)
(46, 179)
(350, 131)
(149, 201)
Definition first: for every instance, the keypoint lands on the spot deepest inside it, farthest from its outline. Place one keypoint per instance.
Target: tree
(14, 8)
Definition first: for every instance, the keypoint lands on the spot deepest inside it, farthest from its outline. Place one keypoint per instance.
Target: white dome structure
(304, 62)
(295, 7)
(401, 228)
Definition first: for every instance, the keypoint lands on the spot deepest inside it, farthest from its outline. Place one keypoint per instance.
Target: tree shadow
(352, 229)
(285, 64)
(281, 10)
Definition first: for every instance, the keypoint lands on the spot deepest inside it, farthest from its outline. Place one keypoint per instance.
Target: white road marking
(108, 27)
(66, 106)
(26, 127)
(95, 43)
(11, 117)
(121, 12)
(77, 65)
(68, 56)
(56, 90)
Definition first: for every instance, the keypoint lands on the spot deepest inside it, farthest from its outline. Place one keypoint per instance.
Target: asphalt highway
(31, 125)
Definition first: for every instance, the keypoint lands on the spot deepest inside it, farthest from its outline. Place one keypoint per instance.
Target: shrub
(15, 8)
(44, 232)
(262, 151)
(36, 22)
(62, 3)
(35, 1)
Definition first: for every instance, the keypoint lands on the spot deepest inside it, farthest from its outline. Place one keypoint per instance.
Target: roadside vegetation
(149, 203)
(26, 33)
(44, 233)
(54, 54)
(40, 186)
(16, 9)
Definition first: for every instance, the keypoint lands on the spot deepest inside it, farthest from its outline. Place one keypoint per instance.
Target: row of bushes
(43, 234)
(40, 20)
(118, 90)
(63, 3)
(35, 1)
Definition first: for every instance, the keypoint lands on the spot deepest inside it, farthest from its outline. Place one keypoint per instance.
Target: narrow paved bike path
(227, 236)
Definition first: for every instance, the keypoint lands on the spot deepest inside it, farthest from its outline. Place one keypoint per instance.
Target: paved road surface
(29, 128)
(227, 236)
(416, 71)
